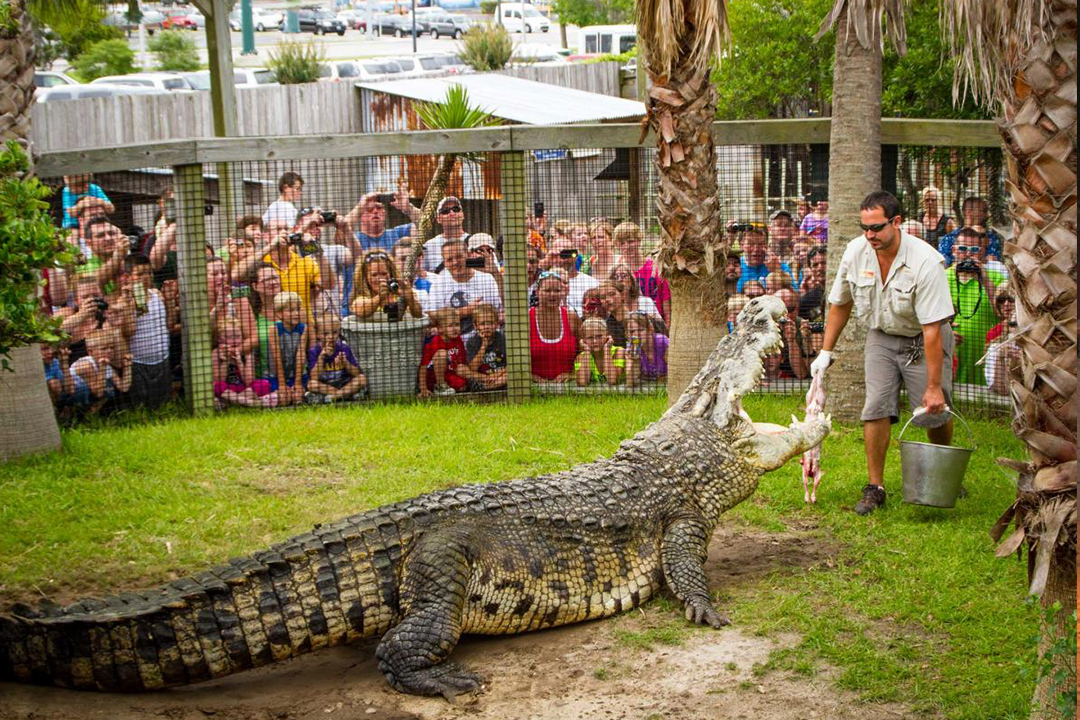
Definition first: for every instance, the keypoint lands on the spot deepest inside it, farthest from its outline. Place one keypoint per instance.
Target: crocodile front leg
(413, 654)
(683, 554)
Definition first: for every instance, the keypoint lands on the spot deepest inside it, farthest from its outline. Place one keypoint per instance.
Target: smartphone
(385, 198)
(538, 210)
(475, 262)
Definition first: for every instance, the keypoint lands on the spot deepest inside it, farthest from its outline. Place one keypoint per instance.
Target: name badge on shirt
(869, 274)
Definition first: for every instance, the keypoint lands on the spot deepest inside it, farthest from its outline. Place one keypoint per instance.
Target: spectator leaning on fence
(450, 216)
(600, 360)
(367, 220)
(895, 284)
(757, 261)
(486, 348)
(623, 276)
(234, 372)
(975, 214)
(973, 288)
(283, 210)
(82, 197)
(553, 330)
(100, 376)
(289, 346)
(444, 366)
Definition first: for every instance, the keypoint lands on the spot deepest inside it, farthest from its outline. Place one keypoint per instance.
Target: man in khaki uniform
(896, 285)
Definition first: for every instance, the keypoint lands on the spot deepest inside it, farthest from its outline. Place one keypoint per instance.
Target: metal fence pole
(194, 296)
(512, 211)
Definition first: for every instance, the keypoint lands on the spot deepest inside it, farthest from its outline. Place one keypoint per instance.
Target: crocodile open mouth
(757, 336)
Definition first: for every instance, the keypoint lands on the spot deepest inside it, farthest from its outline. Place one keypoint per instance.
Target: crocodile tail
(279, 603)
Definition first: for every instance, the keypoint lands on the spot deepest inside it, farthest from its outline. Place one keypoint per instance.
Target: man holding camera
(369, 215)
(896, 285)
(108, 247)
(973, 289)
(462, 287)
(298, 259)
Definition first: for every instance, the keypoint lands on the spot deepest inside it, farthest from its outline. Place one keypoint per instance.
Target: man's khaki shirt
(914, 294)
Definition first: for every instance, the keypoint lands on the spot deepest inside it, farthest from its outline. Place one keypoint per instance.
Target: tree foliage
(594, 12)
(105, 57)
(29, 242)
(296, 62)
(175, 51)
(486, 47)
(777, 70)
(69, 30)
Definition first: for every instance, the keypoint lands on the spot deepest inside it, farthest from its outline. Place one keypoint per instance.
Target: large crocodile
(500, 558)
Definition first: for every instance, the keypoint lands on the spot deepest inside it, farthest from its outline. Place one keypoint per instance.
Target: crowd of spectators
(280, 286)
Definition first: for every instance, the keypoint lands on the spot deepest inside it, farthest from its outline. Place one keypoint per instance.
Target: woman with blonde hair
(600, 263)
(378, 295)
(935, 223)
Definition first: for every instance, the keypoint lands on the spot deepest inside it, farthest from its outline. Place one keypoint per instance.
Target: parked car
(197, 19)
(261, 20)
(152, 19)
(242, 77)
(442, 24)
(410, 66)
(178, 20)
(157, 80)
(51, 78)
(80, 92)
(318, 21)
(398, 25)
(462, 25)
(536, 54)
(437, 64)
(356, 70)
(352, 18)
(516, 17)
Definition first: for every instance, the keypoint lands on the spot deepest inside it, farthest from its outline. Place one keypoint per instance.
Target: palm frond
(865, 18)
(667, 31)
(454, 112)
(988, 39)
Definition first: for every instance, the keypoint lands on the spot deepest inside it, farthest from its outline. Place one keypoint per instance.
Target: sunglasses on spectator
(878, 227)
(969, 248)
(378, 255)
(553, 274)
(450, 209)
(1005, 299)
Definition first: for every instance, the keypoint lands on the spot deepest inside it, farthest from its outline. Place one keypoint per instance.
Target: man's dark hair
(96, 220)
(288, 179)
(246, 221)
(972, 232)
(884, 200)
(971, 200)
(814, 252)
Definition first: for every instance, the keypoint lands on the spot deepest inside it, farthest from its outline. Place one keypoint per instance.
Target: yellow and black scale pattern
(493, 559)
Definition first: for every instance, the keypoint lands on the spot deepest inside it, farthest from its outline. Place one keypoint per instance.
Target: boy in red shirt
(444, 368)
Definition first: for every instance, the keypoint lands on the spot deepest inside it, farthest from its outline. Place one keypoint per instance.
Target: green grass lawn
(915, 609)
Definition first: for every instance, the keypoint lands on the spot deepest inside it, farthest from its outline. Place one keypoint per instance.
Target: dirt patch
(580, 671)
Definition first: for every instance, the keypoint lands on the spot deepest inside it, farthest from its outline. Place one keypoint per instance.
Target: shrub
(488, 7)
(75, 25)
(106, 57)
(175, 51)
(29, 242)
(296, 62)
(486, 47)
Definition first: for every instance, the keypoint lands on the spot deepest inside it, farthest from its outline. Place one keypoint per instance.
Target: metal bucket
(931, 473)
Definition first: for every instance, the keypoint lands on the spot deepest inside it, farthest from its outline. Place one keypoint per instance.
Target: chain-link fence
(276, 283)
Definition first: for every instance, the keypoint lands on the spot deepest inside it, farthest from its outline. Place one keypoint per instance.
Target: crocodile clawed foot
(446, 679)
(703, 613)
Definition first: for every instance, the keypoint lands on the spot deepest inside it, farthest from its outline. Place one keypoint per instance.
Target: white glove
(821, 362)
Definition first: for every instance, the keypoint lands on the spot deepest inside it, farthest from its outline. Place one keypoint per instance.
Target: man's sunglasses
(969, 248)
(450, 209)
(878, 227)
(553, 274)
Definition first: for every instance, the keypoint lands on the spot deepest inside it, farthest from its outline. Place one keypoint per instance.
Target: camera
(385, 198)
(968, 266)
(817, 327)
(393, 312)
(392, 285)
(475, 262)
(328, 216)
(538, 210)
(296, 238)
(100, 305)
(134, 243)
(568, 253)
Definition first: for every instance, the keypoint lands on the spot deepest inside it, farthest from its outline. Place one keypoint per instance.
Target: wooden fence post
(512, 211)
(194, 297)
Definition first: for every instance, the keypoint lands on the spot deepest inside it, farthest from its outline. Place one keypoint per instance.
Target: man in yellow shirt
(301, 274)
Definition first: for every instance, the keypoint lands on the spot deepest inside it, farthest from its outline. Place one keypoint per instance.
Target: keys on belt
(914, 353)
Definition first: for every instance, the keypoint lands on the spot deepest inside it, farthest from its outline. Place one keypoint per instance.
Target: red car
(178, 20)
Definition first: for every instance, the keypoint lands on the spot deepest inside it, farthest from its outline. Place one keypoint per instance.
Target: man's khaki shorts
(887, 368)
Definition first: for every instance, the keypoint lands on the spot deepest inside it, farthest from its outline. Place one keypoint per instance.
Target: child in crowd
(648, 345)
(486, 348)
(234, 371)
(289, 348)
(335, 374)
(57, 374)
(422, 278)
(592, 304)
(601, 361)
(96, 376)
(444, 368)
(735, 304)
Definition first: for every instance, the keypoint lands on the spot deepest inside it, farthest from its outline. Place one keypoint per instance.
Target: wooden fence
(323, 108)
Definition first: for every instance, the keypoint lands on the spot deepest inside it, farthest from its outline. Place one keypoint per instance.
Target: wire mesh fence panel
(284, 282)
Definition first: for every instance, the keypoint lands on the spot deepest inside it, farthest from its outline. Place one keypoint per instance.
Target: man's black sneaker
(873, 497)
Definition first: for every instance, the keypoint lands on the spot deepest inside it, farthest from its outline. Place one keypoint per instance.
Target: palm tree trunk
(16, 75)
(854, 171)
(681, 108)
(436, 191)
(27, 422)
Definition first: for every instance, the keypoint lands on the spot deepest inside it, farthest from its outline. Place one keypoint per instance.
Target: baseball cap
(479, 240)
(780, 212)
(448, 200)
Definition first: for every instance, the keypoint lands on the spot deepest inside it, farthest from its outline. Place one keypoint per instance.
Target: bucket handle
(922, 411)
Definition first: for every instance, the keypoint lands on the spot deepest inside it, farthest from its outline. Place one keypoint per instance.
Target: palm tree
(679, 41)
(454, 112)
(854, 160)
(1019, 57)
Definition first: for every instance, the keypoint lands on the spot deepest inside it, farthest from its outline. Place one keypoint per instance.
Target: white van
(600, 39)
(514, 17)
